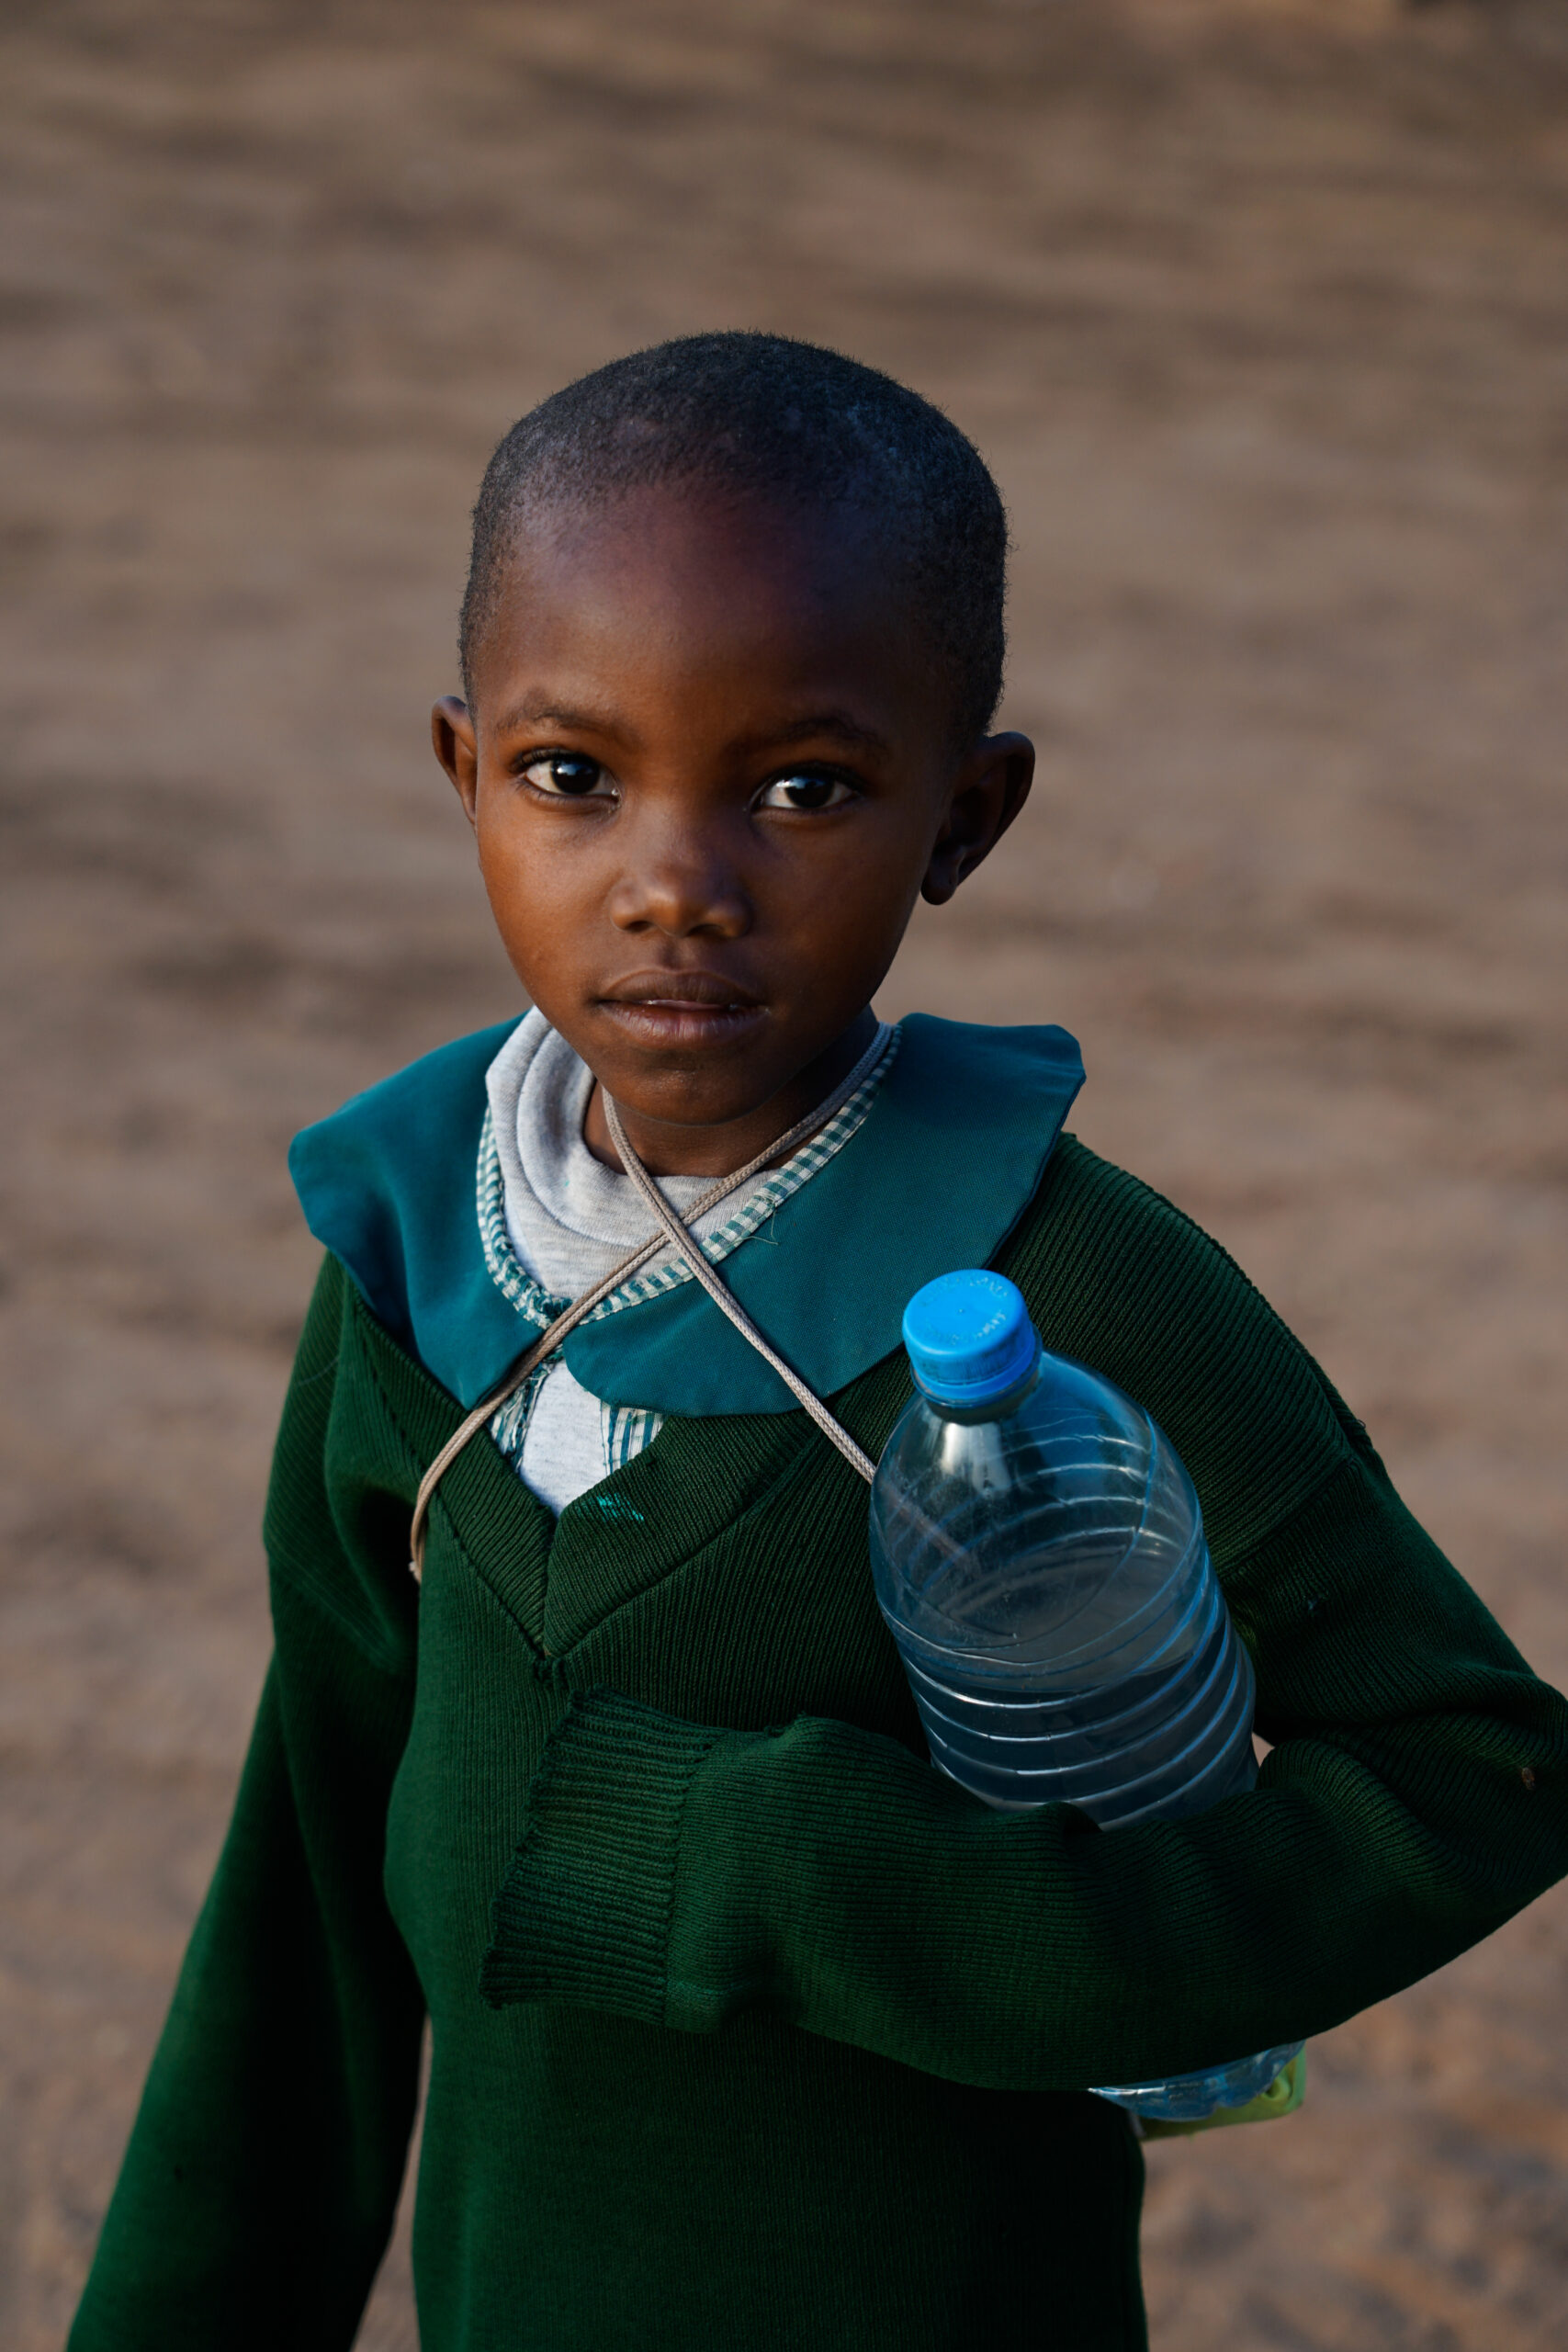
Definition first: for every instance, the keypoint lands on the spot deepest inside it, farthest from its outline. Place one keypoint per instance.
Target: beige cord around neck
(721, 1296)
(669, 1228)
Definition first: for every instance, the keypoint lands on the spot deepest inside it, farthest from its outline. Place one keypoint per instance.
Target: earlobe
(455, 744)
(991, 787)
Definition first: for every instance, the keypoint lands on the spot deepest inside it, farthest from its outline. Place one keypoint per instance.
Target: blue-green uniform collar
(947, 1158)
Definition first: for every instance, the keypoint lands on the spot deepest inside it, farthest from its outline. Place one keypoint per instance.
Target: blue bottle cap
(970, 1338)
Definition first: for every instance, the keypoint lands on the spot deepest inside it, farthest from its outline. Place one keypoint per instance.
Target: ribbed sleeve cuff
(584, 1913)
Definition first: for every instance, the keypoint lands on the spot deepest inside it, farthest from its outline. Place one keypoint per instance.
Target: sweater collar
(947, 1158)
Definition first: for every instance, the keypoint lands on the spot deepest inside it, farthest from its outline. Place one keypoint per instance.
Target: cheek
(534, 910)
(523, 862)
(510, 879)
(866, 879)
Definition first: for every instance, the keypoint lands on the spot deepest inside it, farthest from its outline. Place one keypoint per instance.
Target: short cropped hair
(766, 417)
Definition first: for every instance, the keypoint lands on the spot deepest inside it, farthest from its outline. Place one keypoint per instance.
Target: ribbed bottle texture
(1039, 1555)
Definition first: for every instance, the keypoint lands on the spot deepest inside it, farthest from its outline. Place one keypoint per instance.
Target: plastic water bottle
(1039, 1555)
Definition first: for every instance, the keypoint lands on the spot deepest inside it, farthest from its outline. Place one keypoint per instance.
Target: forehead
(680, 583)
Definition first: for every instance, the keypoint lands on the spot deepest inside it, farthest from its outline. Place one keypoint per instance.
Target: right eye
(565, 775)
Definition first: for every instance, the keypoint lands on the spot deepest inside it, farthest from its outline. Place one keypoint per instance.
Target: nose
(679, 883)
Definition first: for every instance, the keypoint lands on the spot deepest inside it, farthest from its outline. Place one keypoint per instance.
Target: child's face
(709, 774)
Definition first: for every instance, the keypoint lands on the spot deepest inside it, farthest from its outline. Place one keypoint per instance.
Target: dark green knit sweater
(751, 2033)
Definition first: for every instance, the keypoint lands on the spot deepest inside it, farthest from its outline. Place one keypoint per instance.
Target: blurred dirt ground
(1261, 314)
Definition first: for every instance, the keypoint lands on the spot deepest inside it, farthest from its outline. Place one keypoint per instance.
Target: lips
(706, 989)
(664, 1009)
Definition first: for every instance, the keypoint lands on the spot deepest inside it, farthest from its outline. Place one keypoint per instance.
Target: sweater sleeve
(1416, 1796)
(262, 2175)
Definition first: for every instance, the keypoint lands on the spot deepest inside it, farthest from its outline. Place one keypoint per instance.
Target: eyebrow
(819, 722)
(538, 711)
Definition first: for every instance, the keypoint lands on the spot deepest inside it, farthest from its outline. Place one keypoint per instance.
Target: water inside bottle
(1044, 1570)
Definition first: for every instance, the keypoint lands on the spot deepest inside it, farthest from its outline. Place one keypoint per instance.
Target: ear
(457, 748)
(992, 786)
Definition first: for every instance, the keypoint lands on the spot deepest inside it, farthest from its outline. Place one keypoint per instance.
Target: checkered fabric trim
(509, 1426)
(535, 1305)
(625, 1431)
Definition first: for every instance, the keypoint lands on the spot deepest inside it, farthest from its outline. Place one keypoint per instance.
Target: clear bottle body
(1043, 1568)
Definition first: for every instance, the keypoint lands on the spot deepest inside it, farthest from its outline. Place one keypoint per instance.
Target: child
(749, 2029)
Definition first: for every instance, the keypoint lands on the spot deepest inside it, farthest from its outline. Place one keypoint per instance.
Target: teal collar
(948, 1157)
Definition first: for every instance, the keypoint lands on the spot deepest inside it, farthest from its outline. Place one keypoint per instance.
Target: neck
(668, 1148)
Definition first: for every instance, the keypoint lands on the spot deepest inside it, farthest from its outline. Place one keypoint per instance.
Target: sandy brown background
(1261, 314)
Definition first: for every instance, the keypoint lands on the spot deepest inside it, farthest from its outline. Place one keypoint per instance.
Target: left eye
(810, 791)
(566, 775)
